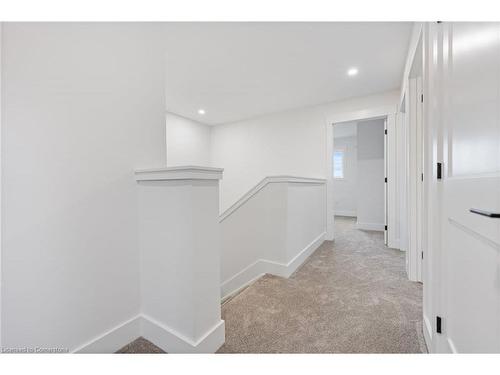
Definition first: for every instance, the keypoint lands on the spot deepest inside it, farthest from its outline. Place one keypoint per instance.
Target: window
(338, 163)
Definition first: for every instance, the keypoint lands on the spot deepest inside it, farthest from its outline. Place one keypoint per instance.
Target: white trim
(412, 49)
(395, 245)
(189, 172)
(286, 270)
(262, 184)
(346, 213)
(364, 114)
(393, 197)
(172, 341)
(243, 278)
(113, 339)
(414, 182)
(263, 266)
(162, 336)
(370, 226)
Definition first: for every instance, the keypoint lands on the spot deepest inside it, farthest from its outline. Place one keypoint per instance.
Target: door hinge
(422, 255)
(422, 176)
(385, 180)
(439, 171)
(385, 228)
(385, 131)
(422, 98)
(438, 324)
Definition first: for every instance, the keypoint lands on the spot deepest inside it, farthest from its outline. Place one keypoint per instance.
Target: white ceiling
(237, 71)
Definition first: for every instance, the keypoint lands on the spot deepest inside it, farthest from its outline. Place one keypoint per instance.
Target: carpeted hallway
(350, 296)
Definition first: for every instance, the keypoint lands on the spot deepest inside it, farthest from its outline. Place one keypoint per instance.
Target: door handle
(485, 213)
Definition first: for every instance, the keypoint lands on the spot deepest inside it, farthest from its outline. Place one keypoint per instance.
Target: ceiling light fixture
(201, 111)
(352, 72)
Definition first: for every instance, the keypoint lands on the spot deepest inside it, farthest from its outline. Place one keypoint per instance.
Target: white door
(470, 277)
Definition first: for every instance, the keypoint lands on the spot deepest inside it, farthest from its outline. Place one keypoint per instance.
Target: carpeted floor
(140, 346)
(350, 296)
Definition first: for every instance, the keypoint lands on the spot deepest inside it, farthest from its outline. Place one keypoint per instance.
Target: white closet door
(471, 180)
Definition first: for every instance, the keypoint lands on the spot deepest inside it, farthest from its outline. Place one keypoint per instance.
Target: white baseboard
(262, 266)
(162, 336)
(345, 213)
(114, 339)
(394, 244)
(285, 270)
(246, 276)
(370, 226)
(173, 342)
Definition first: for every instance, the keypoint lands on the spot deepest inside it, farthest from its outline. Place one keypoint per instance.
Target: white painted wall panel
(306, 216)
(180, 256)
(257, 230)
(272, 232)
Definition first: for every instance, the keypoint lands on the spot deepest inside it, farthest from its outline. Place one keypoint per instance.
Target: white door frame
(415, 149)
(432, 153)
(386, 192)
(388, 112)
(414, 182)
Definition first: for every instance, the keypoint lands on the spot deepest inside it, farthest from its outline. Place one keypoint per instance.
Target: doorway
(359, 173)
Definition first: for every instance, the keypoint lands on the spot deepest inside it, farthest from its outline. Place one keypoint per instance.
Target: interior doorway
(360, 173)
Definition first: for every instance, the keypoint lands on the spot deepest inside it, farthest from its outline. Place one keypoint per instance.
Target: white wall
(188, 142)
(306, 217)
(82, 106)
(346, 195)
(273, 231)
(180, 259)
(242, 247)
(371, 174)
(291, 143)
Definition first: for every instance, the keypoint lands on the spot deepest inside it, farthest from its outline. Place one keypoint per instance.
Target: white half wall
(188, 141)
(180, 258)
(273, 229)
(371, 175)
(82, 107)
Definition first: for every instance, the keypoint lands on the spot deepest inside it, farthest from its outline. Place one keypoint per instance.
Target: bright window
(338, 163)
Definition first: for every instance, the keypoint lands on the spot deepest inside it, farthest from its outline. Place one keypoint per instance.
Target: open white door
(470, 178)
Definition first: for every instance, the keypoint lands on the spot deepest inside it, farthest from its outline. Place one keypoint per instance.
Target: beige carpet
(140, 346)
(350, 296)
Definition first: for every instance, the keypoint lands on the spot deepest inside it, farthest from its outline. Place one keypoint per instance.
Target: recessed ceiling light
(201, 111)
(352, 72)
